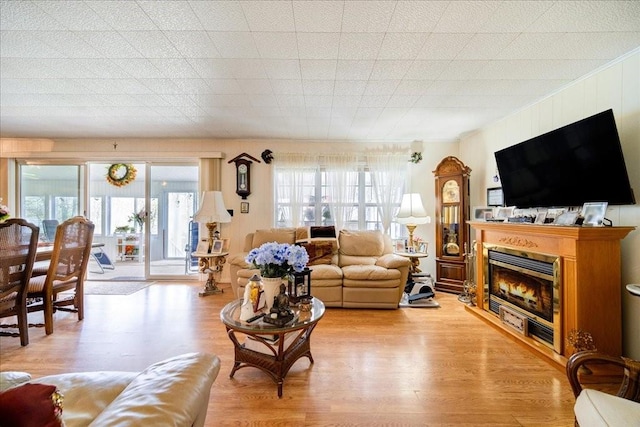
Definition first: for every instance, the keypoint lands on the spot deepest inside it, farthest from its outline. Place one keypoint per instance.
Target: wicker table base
(274, 349)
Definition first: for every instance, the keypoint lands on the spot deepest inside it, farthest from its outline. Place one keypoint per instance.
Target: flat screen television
(577, 163)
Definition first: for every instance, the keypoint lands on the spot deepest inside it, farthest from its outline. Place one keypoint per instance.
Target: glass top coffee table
(272, 349)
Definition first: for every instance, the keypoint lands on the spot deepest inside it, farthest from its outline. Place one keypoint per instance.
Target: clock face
(242, 168)
(450, 192)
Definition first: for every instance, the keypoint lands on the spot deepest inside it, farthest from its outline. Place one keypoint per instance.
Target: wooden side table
(415, 259)
(210, 264)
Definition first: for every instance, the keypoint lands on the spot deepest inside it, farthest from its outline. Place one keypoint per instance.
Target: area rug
(113, 288)
(424, 303)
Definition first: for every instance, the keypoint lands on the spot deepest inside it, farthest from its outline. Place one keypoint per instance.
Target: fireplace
(523, 289)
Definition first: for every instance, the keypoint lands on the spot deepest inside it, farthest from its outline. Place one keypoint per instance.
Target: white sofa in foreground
(172, 392)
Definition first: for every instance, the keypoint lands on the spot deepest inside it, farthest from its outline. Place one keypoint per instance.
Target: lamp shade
(412, 211)
(212, 208)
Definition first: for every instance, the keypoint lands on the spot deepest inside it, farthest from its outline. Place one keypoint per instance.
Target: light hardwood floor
(406, 367)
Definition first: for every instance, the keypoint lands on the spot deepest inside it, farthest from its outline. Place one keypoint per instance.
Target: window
(50, 192)
(341, 193)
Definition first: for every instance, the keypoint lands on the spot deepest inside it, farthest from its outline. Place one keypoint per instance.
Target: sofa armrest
(174, 391)
(393, 261)
(237, 259)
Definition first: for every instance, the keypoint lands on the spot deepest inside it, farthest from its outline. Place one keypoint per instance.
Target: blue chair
(49, 229)
(191, 262)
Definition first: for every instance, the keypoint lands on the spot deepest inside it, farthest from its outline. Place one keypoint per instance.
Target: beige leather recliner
(362, 272)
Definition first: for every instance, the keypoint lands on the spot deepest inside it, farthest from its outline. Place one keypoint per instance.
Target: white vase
(271, 289)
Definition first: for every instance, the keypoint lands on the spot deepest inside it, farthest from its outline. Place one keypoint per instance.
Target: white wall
(616, 86)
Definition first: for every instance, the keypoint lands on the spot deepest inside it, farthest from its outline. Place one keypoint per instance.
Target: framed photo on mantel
(495, 197)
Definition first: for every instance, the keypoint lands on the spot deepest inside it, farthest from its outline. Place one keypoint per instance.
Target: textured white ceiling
(339, 70)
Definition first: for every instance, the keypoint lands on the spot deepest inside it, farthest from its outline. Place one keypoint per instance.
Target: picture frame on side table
(203, 247)
(399, 245)
(593, 213)
(217, 247)
(495, 196)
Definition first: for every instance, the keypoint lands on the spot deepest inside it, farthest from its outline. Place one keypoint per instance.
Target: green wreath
(121, 174)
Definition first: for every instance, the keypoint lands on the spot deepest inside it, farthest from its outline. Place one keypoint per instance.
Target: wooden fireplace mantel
(591, 288)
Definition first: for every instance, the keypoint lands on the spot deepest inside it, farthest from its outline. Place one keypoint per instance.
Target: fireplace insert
(526, 285)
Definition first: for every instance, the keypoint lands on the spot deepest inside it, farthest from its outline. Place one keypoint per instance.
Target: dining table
(45, 250)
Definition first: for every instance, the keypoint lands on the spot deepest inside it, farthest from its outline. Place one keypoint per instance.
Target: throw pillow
(319, 252)
(328, 231)
(31, 405)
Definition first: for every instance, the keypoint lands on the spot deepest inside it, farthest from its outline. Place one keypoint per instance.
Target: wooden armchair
(590, 374)
(67, 270)
(630, 382)
(18, 245)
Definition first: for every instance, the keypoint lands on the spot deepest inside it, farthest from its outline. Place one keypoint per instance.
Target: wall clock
(243, 174)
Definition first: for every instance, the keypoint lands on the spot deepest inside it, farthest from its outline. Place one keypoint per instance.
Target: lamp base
(211, 226)
(411, 228)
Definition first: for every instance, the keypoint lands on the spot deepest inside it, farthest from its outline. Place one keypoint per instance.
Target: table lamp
(212, 212)
(412, 214)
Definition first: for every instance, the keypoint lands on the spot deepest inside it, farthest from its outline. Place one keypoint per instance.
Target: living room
(612, 85)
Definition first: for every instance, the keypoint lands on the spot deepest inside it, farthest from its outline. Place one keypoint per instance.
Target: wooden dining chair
(18, 245)
(67, 271)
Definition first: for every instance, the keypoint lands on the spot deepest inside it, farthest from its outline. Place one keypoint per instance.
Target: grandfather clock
(452, 231)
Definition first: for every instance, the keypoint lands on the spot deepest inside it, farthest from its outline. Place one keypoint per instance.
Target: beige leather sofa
(173, 392)
(361, 272)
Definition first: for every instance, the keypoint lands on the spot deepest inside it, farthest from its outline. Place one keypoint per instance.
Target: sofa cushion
(368, 275)
(31, 405)
(280, 235)
(361, 243)
(594, 408)
(326, 273)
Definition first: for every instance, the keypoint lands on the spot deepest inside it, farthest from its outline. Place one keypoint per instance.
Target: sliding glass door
(174, 188)
(145, 222)
(117, 208)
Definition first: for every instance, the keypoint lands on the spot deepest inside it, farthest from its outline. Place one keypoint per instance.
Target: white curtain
(291, 169)
(388, 175)
(342, 180)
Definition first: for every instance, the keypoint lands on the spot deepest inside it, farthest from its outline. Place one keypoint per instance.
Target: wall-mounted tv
(577, 163)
